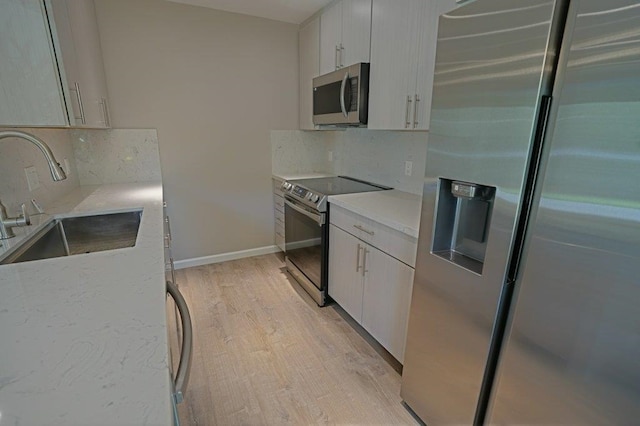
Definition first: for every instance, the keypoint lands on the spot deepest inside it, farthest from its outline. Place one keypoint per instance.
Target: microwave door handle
(342, 90)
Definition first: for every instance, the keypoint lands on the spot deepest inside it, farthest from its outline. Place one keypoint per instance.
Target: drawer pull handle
(360, 227)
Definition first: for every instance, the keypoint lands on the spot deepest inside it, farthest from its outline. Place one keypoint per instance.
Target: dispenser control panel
(463, 189)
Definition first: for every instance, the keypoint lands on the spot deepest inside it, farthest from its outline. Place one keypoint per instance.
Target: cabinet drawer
(277, 187)
(279, 237)
(395, 243)
(279, 216)
(278, 202)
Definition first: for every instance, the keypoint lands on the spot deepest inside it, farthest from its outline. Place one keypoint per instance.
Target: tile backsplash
(94, 157)
(116, 155)
(371, 155)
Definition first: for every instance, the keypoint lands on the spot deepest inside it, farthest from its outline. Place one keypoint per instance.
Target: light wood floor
(265, 354)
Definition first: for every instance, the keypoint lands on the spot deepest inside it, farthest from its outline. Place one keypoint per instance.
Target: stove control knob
(284, 185)
(315, 198)
(309, 195)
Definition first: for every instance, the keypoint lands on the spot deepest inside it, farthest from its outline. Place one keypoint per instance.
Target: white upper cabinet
(345, 30)
(31, 93)
(79, 44)
(51, 72)
(403, 45)
(309, 54)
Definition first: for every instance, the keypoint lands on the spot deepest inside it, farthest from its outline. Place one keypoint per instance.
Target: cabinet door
(82, 56)
(330, 38)
(427, 59)
(309, 53)
(345, 276)
(394, 34)
(30, 86)
(356, 32)
(386, 299)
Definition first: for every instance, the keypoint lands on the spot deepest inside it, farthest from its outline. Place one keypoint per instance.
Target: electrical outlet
(408, 168)
(67, 167)
(330, 156)
(32, 178)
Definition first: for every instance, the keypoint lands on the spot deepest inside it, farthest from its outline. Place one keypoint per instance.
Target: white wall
(213, 84)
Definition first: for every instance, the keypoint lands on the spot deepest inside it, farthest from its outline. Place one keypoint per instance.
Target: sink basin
(82, 234)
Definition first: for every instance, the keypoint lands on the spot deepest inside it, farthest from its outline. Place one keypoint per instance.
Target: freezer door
(492, 62)
(574, 348)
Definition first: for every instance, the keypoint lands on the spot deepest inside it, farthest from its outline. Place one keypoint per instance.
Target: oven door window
(303, 240)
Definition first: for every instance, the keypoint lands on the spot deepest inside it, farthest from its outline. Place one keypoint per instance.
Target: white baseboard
(217, 258)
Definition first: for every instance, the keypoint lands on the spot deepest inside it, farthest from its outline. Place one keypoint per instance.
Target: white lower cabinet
(371, 286)
(386, 300)
(346, 282)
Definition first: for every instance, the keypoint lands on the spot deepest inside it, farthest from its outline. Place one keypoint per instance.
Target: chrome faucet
(7, 223)
(57, 174)
(56, 171)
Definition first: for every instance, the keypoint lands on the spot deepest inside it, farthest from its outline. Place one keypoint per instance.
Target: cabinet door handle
(358, 258)
(80, 106)
(105, 112)
(407, 121)
(173, 271)
(341, 56)
(364, 261)
(337, 62)
(415, 111)
(166, 220)
(363, 229)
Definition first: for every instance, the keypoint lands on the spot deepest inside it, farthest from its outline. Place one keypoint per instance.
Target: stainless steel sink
(81, 234)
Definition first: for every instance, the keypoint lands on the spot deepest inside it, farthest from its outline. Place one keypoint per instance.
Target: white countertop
(292, 176)
(84, 337)
(396, 209)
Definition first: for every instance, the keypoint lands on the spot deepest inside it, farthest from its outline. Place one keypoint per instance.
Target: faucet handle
(25, 219)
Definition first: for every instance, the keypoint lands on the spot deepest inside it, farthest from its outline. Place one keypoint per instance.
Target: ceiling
(293, 11)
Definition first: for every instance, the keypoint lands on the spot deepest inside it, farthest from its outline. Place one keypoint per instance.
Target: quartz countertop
(293, 176)
(84, 337)
(396, 209)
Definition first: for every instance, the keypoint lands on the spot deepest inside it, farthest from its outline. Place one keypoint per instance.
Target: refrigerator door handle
(529, 188)
(500, 326)
(184, 367)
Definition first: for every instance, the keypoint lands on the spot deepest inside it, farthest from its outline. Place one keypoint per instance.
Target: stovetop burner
(314, 192)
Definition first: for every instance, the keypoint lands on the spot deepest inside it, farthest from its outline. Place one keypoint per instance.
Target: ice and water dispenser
(463, 216)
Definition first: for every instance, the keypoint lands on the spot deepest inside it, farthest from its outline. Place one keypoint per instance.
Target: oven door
(305, 238)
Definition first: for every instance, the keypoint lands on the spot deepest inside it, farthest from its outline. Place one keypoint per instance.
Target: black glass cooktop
(337, 185)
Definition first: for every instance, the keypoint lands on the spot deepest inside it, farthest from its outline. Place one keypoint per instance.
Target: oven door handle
(318, 218)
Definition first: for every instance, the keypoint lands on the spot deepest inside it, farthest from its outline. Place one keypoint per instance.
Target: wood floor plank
(266, 354)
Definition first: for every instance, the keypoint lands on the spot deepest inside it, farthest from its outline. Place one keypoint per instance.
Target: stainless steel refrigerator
(526, 299)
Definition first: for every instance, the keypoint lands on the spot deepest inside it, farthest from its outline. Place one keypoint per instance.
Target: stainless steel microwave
(342, 97)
